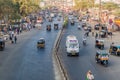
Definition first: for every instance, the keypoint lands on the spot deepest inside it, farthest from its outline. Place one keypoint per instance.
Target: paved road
(23, 61)
(77, 67)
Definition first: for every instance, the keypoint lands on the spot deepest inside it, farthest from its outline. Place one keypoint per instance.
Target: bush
(65, 22)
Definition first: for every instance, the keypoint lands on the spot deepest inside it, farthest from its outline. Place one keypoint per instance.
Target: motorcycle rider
(84, 40)
(90, 75)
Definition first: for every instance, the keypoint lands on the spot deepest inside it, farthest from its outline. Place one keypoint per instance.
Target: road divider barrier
(60, 71)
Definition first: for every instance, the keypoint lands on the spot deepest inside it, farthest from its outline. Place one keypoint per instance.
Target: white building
(115, 1)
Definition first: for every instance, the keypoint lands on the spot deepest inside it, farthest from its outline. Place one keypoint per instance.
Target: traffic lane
(113, 66)
(10, 48)
(71, 62)
(11, 57)
(26, 59)
(55, 21)
(38, 63)
(78, 66)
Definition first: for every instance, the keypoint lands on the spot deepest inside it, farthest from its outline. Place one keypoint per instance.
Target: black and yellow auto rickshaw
(41, 43)
(99, 43)
(115, 49)
(103, 33)
(102, 57)
(56, 26)
(84, 24)
(48, 27)
(2, 44)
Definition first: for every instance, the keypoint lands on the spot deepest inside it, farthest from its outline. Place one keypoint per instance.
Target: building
(114, 1)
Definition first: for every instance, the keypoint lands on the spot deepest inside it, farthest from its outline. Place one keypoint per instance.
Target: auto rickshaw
(103, 33)
(55, 26)
(102, 57)
(48, 27)
(2, 44)
(99, 43)
(83, 24)
(72, 22)
(41, 43)
(89, 28)
(115, 49)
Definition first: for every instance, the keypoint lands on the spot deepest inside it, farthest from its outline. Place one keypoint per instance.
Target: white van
(72, 45)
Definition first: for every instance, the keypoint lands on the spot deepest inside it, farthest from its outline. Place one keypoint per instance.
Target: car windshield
(73, 45)
(104, 55)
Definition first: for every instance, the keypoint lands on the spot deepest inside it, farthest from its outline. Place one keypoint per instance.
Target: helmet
(90, 72)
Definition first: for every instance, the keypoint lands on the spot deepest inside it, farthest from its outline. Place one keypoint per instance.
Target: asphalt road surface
(23, 61)
(77, 67)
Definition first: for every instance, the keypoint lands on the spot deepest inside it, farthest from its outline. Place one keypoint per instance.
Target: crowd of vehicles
(101, 56)
(72, 44)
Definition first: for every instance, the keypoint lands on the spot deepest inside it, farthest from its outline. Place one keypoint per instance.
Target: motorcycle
(89, 76)
(84, 42)
(79, 27)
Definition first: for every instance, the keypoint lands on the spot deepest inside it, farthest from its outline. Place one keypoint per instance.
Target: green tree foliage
(13, 9)
(116, 12)
(5, 8)
(110, 5)
(83, 4)
(27, 6)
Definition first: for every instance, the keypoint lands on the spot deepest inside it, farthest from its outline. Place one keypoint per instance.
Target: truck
(72, 45)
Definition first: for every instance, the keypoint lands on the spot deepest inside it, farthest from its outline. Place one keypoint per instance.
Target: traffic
(94, 45)
(81, 44)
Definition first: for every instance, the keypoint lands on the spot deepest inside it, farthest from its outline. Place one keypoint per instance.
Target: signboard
(74, 41)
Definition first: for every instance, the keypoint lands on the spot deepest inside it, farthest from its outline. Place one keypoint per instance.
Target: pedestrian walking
(111, 34)
(15, 39)
(87, 33)
(12, 34)
(111, 45)
(96, 36)
(20, 30)
(10, 38)
(92, 33)
(12, 41)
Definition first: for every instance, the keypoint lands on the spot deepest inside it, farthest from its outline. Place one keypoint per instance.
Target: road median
(60, 72)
